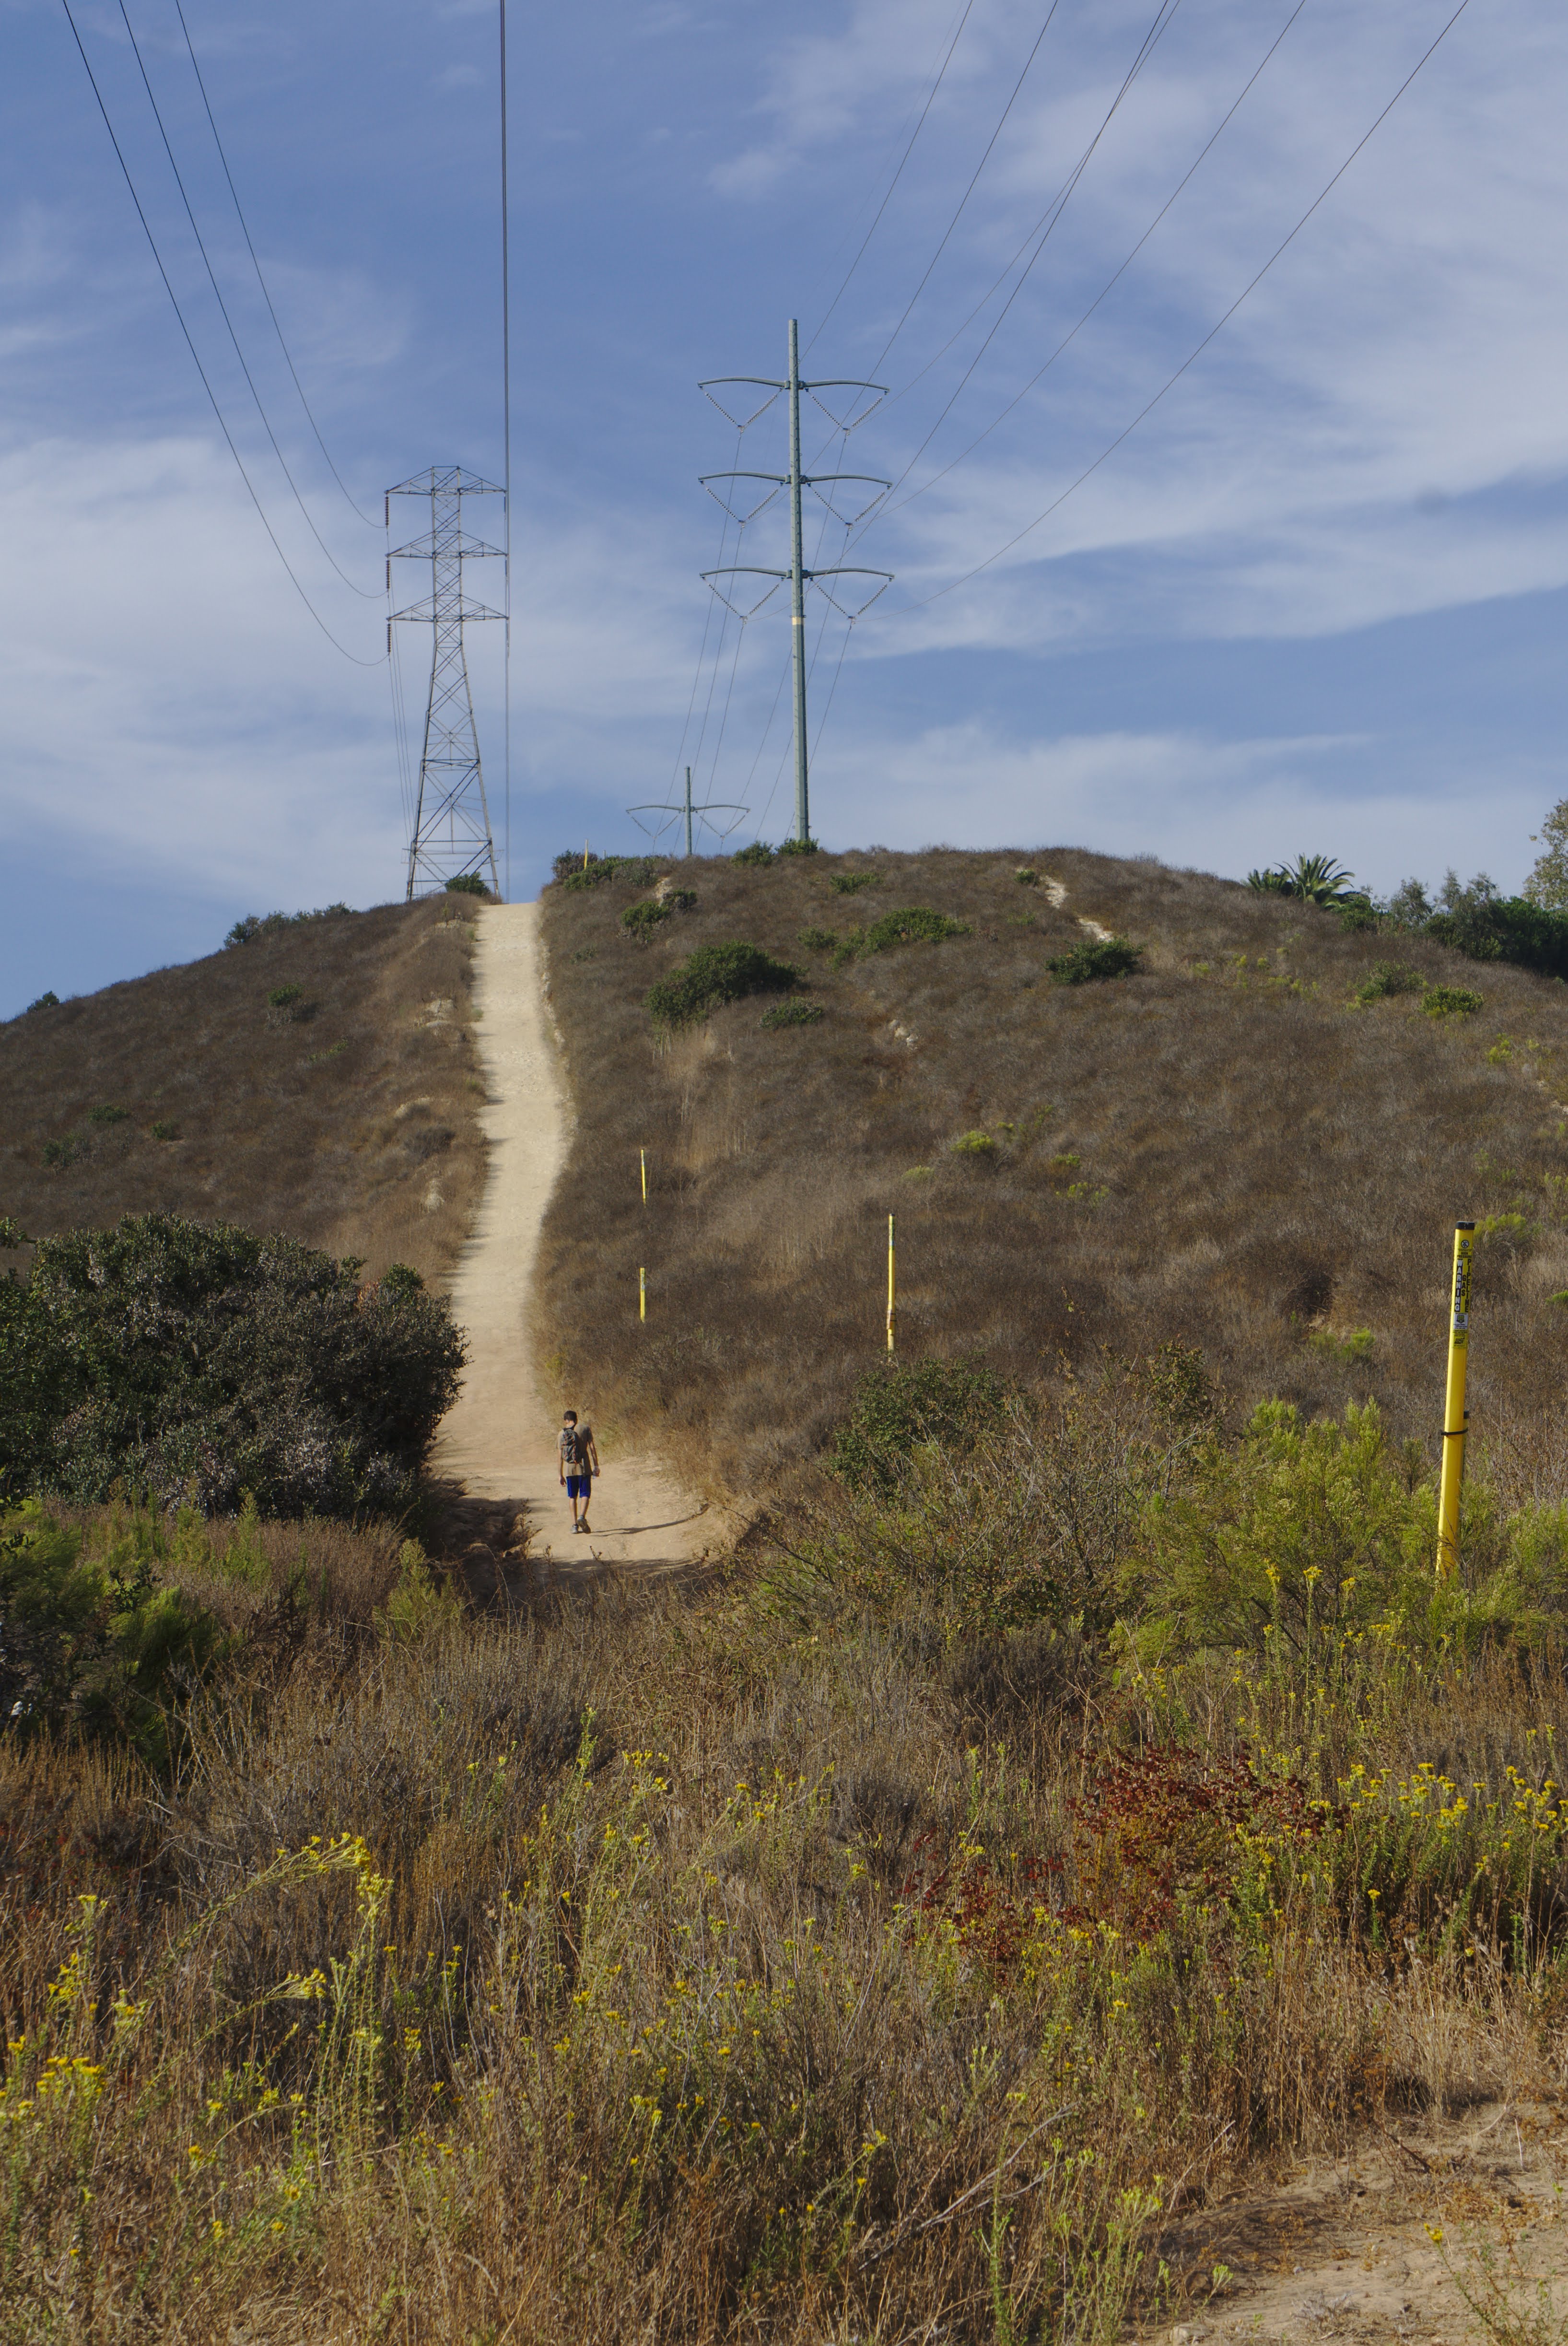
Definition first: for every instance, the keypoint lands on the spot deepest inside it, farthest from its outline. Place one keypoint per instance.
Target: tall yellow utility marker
(892, 1294)
(644, 1154)
(642, 1295)
(1455, 1416)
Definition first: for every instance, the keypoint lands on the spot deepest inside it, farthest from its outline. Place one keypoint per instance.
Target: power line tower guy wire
(451, 837)
(800, 577)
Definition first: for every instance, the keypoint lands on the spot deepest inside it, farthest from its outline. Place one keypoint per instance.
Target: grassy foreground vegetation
(1078, 1808)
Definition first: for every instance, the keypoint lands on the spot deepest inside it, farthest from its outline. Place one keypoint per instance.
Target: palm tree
(1312, 878)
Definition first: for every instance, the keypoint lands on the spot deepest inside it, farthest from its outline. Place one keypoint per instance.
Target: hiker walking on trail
(579, 1465)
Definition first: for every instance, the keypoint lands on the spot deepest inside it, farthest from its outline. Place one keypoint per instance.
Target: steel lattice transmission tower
(452, 816)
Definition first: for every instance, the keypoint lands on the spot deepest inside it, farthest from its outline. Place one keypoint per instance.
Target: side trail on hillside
(498, 1442)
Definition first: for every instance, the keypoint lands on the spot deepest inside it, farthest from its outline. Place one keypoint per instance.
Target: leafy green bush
(973, 1143)
(92, 1642)
(916, 924)
(642, 871)
(107, 1114)
(641, 919)
(1504, 928)
(1096, 958)
(50, 1000)
(681, 900)
(955, 1405)
(791, 1014)
(817, 940)
(197, 1361)
(164, 1130)
(1026, 876)
(758, 852)
(713, 975)
(850, 884)
(798, 847)
(273, 925)
(67, 1150)
(1450, 1001)
(283, 1003)
(1388, 977)
(467, 883)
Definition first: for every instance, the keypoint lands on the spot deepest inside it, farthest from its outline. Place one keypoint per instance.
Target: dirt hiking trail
(498, 1440)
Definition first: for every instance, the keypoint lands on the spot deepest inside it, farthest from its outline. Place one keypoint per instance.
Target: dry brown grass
(702, 1968)
(1262, 1167)
(351, 1127)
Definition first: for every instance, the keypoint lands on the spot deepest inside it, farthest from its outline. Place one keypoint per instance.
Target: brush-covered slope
(1226, 1148)
(341, 1113)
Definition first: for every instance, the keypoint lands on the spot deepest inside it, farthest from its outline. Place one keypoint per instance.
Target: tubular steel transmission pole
(800, 577)
(451, 835)
(798, 591)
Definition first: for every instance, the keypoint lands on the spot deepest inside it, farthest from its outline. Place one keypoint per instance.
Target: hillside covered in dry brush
(1257, 1143)
(316, 1081)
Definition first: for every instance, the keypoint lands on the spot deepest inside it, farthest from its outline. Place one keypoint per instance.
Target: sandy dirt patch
(1344, 2248)
(498, 1441)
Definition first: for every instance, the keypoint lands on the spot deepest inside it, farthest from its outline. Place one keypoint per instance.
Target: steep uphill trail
(498, 1440)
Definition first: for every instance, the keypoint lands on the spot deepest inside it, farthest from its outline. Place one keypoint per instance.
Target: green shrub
(196, 1362)
(681, 900)
(817, 940)
(791, 1014)
(107, 1114)
(916, 924)
(713, 975)
(955, 1405)
(1450, 1001)
(850, 884)
(1504, 928)
(1096, 958)
(758, 852)
(420, 1605)
(798, 847)
(467, 883)
(973, 1143)
(1026, 877)
(284, 997)
(1355, 1346)
(68, 1150)
(45, 1002)
(641, 919)
(401, 1279)
(94, 1642)
(1388, 977)
(642, 871)
(273, 925)
(164, 1130)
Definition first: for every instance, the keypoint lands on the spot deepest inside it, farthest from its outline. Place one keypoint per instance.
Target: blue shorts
(578, 1485)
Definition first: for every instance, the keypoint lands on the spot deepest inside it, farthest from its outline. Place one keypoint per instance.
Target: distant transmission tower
(795, 480)
(451, 817)
(692, 814)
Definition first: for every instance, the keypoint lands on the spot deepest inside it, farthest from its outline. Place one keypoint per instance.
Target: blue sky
(1315, 601)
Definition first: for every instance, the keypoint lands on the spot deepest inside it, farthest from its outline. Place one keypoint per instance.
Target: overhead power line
(1172, 380)
(369, 519)
(371, 594)
(1108, 286)
(195, 355)
(903, 158)
(1045, 228)
(974, 181)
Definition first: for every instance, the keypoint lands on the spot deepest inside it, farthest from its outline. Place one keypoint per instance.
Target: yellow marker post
(585, 854)
(1455, 1416)
(642, 1295)
(643, 1155)
(892, 1289)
